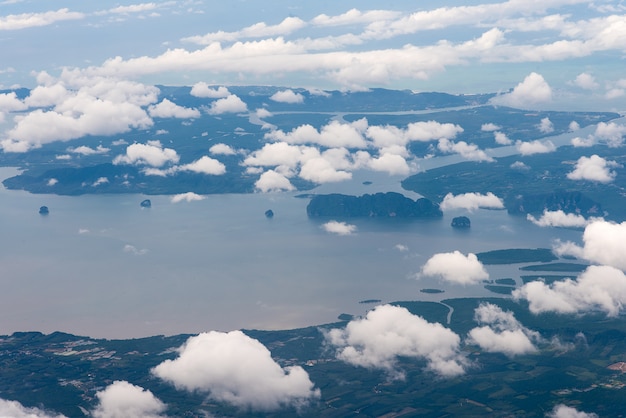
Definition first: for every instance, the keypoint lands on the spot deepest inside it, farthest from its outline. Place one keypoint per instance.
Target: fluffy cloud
(258, 30)
(187, 197)
(205, 165)
(14, 409)
(501, 333)
(586, 81)
(456, 268)
(546, 126)
(603, 243)
(29, 20)
(393, 164)
(85, 150)
(388, 332)
(594, 168)
(168, 109)
(611, 133)
(339, 228)
(579, 142)
(334, 134)
(501, 138)
(534, 90)
(471, 201)
(287, 96)
(229, 104)
(560, 219)
(598, 288)
(490, 127)
(535, 147)
(122, 399)
(470, 152)
(272, 181)
(152, 154)
(321, 170)
(564, 411)
(234, 368)
(203, 90)
(222, 149)
(10, 103)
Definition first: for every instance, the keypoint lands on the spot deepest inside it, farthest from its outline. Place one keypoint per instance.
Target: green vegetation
(432, 290)
(513, 256)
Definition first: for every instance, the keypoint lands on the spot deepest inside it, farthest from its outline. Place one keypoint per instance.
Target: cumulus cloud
(471, 201)
(222, 149)
(152, 154)
(258, 30)
(122, 399)
(229, 104)
(388, 332)
(501, 138)
(501, 332)
(168, 109)
(535, 147)
(205, 165)
(586, 81)
(564, 411)
(272, 181)
(560, 219)
(612, 133)
(546, 126)
(287, 96)
(579, 142)
(519, 165)
(533, 91)
(186, 197)
(334, 134)
(14, 409)
(490, 127)
(203, 90)
(85, 150)
(236, 369)
(594, 168)
(598, 288)
(470, 152)
(391, 163)
(339, 228)
(603, 243)
(456, 268)
(573, 126)
(29, 20)
(131, 249)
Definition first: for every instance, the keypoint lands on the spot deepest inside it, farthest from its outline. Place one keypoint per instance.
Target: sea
(104, 266)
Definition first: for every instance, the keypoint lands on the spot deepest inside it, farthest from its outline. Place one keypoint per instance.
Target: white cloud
(393, 164)
(456, 268)
(339, 228)
(287, 96)
(579, 142)
(334, 134)
(85, 150)
(603, 243)
(30, 20)
(490, 127)
(471, 201)
(470, 152)
(14, 409)
(612, 133)
(564, 411)
(560, 219)
(519, 165)
(152, 154)
(186, 197)
(131, 249)
(534, 90)
(133, 8)
(501, 138)
(52, 182)
(594, 168)
(203, 90)
(9, 102)
(546, 126)
(222, 149)
(535, 147)
(258, 30)
(388, 332)
(354, 16)
(99, 181)
(598, 288)
(574, 126)
(168, 109)
(228, 104)
(205, 165)
(122, 399)
(272, 181)
(234, 368)
(586, 81)
(501, 333)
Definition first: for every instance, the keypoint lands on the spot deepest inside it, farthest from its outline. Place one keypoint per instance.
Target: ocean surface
(103, 266)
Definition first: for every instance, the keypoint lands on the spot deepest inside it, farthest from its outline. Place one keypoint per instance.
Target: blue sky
(475, 47)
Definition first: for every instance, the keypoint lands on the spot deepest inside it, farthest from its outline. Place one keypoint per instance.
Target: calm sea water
(102, 266)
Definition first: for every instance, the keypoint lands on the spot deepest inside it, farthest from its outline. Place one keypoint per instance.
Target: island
(269, 214)
(44, 210)
(461, 222)
(379, 205)
(146, 203)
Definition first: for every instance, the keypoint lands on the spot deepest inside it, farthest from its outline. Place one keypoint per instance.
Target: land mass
(379, 205)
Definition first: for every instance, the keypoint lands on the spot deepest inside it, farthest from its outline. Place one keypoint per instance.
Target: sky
(551, 53)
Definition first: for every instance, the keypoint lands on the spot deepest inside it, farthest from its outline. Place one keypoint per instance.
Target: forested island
(379, 205)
